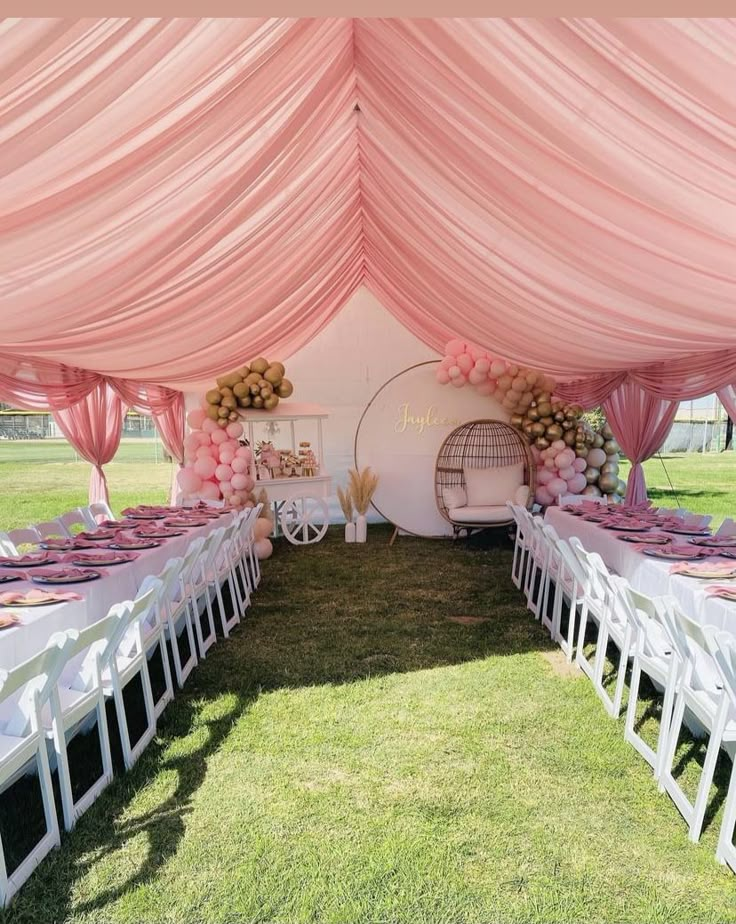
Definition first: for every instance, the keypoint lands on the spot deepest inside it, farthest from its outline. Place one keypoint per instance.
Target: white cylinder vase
(361, 528)
(350, 531)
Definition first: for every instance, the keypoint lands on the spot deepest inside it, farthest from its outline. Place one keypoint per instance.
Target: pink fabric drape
(640, 422)
(93, 426)
(180, 195)
(727, 397)
(170, 423)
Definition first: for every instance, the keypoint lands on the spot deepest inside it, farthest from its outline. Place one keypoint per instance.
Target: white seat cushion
(492, 486)
(454, 497)
(498, 513)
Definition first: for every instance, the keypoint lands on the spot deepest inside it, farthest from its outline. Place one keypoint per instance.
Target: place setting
(639, 538)
(705, 570)
(27, 560)
(673, 553)
(101, 558)
(36, 597)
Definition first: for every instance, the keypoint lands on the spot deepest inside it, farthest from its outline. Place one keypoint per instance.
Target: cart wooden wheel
(304, 519)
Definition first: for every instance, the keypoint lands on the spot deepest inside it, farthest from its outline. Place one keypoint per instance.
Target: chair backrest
(48, 529)
(145, 609)
(722, 648)
(95, 646)
(7, 546)
(74, 518)
(689, 639)
(574, 500)
(594, 567)
(23, 537)
(727, 528)
(100, 511)
(35, 678)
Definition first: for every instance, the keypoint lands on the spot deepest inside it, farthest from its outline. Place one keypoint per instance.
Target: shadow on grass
(328, 614)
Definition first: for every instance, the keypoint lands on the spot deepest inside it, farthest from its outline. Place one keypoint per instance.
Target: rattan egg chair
(482, 444)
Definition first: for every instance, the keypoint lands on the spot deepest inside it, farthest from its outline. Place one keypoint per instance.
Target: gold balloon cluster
(260, 384)
(547, 420)
(602, 473)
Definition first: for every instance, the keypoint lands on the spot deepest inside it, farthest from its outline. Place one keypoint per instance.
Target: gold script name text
(420, 422)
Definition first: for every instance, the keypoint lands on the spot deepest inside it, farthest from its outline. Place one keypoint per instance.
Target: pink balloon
(443, 376)
(567, 473)
(557, 486)
(580, 465)
(209, 426)
(204, 438)
(263, 548)
(543, 497)
(497, 368)
(239, 482)
(475, 377)
(205, 467)
(234, 430)
(226, 489)
(196, 418)
(559, 445)
(454, 371)
(209, 491)
(263, 528)
(219, 436)
(550, 463)
(544, 476)
(454, 347)
(226, 456)
(465, 362)
(191, 441)
(251, 483)
(486, 388)
(204, 452)
(565, 458)
(189, 480)
(239, 464)
(483, 365)
(577, 483)
(459, 381)
(189, 455)
(245, 452)
(223, 473)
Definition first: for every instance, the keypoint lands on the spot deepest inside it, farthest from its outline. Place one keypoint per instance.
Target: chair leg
(168, 693)
(726, 851)
(706, 777)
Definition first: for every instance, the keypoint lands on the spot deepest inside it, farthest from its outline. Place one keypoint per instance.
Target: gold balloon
(252, 379)
(244, 372)
(537, 429)
(554, 433)
(273, 375)
(222, 422)
(581, 453)
(258, 401)
(213, 411)
(232, 378)
(559, 416)
(610, 447)
(223, 411)
(544, 408)
(270, 402)
(266, 391)
(609, 468)
(569, 437)
(245, 401)
(516, 421)
(532, 413)
(607, 432)
(285, 389)
(621, 487)
(232, 416)
(598, 441)
(592, 475)
(241, 390)
(547, 421)
(259, 365)
(542, 443)
(255, 389)
(608, 483)
(213, 396)
(592, 491)
(229, 403)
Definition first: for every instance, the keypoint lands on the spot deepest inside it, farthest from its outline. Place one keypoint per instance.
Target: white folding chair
(96, 512)
(727, 528)
(73, 519)
(252, 561)
(52, 529)
(22, 740)
(571, 585)
(722, 647)
(232, 571)
(128, 662)
(696, 520)
(177, 617)
(24, 537)
(7, 546)
(597, 605)
(521, 543)
(537, 554)
(654, 654)
(78, 695)
(215, 571)
(194, 588)
(701, 692)
(154, 636)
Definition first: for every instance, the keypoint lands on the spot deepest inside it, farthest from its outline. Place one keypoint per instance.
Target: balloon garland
(571, 457)
(216, 465)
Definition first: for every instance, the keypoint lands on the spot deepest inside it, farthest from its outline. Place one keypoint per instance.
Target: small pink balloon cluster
(216, 465)
(559, 471)
(514, 387)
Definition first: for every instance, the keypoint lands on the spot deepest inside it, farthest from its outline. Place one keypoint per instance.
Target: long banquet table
(645, 574)
(118, 583)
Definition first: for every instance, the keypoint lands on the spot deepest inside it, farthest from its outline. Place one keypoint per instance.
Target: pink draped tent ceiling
(179, 195)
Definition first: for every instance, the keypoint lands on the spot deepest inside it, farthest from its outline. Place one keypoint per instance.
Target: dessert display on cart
(289, 467)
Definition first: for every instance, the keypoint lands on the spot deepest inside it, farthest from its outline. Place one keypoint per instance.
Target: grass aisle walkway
(352, 755)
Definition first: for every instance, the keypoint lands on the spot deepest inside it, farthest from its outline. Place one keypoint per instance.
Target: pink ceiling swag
(178, 195)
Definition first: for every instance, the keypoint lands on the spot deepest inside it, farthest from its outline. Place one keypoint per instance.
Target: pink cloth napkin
(9, 597)
(97, 555)
(721, 590)
(67, 571)
(26, 559)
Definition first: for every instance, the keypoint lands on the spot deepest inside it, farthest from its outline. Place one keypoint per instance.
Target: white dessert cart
(299, 503)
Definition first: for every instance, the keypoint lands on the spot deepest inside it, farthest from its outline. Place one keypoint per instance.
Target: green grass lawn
(39, 479)
(703, 482)
(353, 754)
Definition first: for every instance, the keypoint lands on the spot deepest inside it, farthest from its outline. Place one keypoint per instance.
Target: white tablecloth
(645, 574)
(120, 582)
